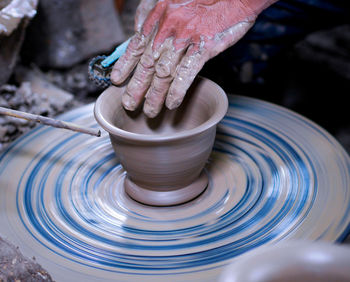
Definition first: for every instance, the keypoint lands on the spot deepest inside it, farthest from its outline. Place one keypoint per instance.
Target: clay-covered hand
(173, 40)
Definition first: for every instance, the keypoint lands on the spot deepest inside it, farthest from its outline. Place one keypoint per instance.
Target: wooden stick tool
(50, 121)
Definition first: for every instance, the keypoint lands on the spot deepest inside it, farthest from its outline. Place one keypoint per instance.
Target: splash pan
(273, 176)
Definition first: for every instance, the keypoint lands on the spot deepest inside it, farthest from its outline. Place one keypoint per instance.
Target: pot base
(166, 198)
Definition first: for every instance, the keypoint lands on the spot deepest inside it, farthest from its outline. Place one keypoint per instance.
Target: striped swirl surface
(273, 176)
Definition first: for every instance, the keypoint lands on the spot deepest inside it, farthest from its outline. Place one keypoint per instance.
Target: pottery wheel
(273, 176)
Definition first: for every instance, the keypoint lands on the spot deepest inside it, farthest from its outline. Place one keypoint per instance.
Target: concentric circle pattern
(273, 176)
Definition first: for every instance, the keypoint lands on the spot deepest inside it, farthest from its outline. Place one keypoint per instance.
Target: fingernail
(115, 76)
(172, 103)
(149, 111)
(128, 102)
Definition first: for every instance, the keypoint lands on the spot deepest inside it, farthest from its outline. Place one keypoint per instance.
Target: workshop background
(45, 52)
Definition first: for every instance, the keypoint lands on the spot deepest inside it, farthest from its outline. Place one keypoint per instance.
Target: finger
(193, 62)
(169, 59)
(156, 95)
(165, 70)
(140, 81)
(142, 12)
(187, 70)
(126, 63)
(167, 44)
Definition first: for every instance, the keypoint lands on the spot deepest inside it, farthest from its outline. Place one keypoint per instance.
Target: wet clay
(164, 157)
(174, 41)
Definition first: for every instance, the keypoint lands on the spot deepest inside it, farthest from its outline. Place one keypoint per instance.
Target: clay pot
(164, 157)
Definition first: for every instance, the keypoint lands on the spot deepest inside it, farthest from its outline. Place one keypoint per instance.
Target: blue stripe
(249, 136)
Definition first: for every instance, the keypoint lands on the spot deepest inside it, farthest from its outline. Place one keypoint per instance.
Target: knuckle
(147, 60)
(163, 68)
(159, 87)
(137, 45)
(156, 91)
(135, 85)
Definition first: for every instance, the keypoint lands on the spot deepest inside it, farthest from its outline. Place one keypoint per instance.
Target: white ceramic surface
(273, 176)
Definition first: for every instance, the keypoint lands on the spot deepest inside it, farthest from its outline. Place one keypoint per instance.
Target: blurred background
(45, 49)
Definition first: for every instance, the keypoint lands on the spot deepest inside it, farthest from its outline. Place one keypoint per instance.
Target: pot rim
(222, 107)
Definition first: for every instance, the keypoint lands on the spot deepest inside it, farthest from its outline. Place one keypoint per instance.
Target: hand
(172, 44)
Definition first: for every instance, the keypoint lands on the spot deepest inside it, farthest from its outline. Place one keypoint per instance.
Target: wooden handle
(50, 121)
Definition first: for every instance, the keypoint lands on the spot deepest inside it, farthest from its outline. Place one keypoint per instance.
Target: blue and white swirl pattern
(274, 176)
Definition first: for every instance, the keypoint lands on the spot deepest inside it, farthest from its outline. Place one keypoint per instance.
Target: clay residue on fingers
(128, 102)
(196, 57)
(187, 70)
(140, 81)
(126, 64)
(227, 38)
(155, 96)
(168, 58)
(167, 63)
(165, 70)
(200, 28)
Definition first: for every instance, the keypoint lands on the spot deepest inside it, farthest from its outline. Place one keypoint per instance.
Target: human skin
(173, 41)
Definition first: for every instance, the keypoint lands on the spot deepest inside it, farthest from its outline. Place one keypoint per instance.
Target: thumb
(228, 38)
